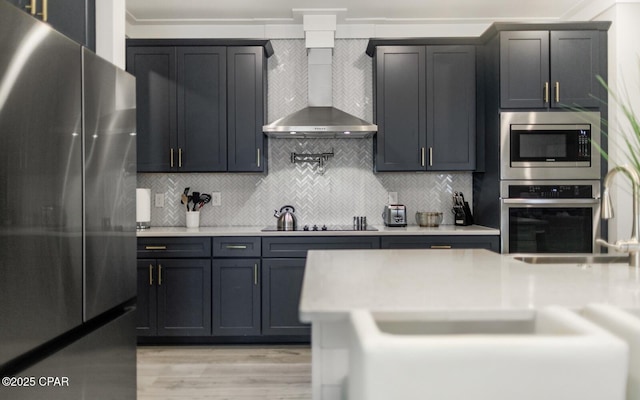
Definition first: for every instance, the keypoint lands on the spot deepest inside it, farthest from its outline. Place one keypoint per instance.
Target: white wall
(110, 31)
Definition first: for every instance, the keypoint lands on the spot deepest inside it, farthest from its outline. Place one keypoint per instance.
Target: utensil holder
(193, 219)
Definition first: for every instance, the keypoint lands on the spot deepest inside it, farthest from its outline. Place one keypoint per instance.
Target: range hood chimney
(320, 119)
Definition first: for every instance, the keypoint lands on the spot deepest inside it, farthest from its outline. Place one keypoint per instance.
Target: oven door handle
(552, 201)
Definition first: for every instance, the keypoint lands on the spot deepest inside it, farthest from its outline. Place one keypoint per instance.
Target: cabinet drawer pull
(431, 156)
(258, 156)
(155, 247)
(172, 157)
(255, 274)
(557, 92)
(159, 275)
(441, 246)
(236, 246)
(179, 157)
(422, 156)
(546, 92)
(150, 274)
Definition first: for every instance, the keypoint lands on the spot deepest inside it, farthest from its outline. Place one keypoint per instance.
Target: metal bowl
(431, 219)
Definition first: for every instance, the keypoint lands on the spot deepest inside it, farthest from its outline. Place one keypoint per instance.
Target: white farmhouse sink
(556, 355)
(625, 325)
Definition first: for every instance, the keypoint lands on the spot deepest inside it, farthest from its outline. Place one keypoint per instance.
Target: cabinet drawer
(174, 247)
(489, 242)
(236, 246)
(297, 247)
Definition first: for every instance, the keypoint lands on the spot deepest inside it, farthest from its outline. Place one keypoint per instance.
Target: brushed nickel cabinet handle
(155, 247)
(172, 157)
(557, 92)
(258, 156)
(546, 92)
(431, 156)
(159, 275)
(33, 6)
(255, 274)
(422, 156)
(150, 274)
(441, 246)
(236, 246)
(179, 157)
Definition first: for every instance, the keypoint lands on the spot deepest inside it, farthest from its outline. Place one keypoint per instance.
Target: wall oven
(549, 216)
(549, 145)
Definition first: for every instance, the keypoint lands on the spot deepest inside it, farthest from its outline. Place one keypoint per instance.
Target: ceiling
(348, 11)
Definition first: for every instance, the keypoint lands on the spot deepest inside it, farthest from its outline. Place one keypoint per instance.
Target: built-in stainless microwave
(550, 145)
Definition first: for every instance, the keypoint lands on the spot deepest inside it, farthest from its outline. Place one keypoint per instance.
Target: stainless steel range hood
(320, 119)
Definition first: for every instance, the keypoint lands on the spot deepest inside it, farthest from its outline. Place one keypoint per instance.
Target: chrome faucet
(632, 246)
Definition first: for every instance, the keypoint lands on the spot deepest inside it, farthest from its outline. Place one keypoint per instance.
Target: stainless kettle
(286, 218)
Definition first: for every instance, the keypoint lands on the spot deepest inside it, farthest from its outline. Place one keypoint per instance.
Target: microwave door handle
(566, 202)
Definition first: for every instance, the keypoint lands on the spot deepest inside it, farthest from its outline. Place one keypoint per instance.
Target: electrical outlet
(392, 197)
(159, 200)
(216, 199)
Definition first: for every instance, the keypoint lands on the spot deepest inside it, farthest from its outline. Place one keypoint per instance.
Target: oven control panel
(551, 191)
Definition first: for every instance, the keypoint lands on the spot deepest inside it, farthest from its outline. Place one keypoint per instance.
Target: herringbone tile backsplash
(347, 188)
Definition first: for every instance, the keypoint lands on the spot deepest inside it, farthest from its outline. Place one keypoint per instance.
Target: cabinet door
(184, 297)
(524, 69)
(74, 18)
(154, 69)
(202, 105)
(146, 303)
(236, 297)
(575, 58)
(246, 69)
(400, 108)
(281, 288)
(451, 108)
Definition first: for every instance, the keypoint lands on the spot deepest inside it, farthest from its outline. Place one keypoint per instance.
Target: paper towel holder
(143, 208)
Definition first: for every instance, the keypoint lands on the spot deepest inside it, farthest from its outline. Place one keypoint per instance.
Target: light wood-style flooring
(224, 372)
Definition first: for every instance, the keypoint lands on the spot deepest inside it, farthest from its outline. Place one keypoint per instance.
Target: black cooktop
(319, 228)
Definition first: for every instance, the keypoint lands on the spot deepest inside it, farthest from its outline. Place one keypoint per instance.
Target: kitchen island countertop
(257, 231)
(455, 281)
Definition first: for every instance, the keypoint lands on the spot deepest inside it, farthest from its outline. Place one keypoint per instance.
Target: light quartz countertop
(448, 282)
(257, 231)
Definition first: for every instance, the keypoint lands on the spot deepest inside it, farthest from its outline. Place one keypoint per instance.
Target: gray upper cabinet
(200, 108)
(74, 18)
(451, 108)
(201, 116)
(542, 69)
(400, 108)
(246, 81)
(155, 69)
(425, 108)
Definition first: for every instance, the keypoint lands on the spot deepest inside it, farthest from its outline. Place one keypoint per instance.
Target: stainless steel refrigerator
(67, 217)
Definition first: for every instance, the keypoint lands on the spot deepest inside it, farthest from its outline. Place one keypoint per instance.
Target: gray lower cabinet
(489, 242)
(283, 263)
(281, 288)
(550, 69)
(174, 287)
(174, 297)
(236, 286)
(425, 107)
